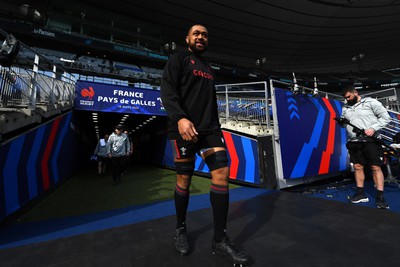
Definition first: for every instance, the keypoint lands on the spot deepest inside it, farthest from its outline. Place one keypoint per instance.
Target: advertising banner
(311, 142)
(242, 156)
(115, 98)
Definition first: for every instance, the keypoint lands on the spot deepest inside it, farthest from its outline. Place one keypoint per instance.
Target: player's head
(197, 39)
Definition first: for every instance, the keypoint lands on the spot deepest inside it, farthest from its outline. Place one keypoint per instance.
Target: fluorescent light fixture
(67, 60)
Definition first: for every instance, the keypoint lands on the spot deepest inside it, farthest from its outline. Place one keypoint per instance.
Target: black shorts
(366, 153)
(187, 149)
(102, 159)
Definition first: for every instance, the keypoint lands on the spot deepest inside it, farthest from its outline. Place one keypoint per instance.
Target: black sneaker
(181, 241)
(381, 203)
(358, 198)
(226, 248)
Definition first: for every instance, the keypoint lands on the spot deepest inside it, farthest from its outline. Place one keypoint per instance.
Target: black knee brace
(184, 167)
(217, 160)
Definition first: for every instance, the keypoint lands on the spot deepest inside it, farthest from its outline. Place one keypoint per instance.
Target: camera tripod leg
(390, 178)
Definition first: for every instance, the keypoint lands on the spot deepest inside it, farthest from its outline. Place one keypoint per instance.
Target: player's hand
(369, 132)
(187, 130)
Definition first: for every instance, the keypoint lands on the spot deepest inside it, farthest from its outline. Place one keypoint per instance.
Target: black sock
(181, 197)
(360, 190)
(219, 198)
(379, 193)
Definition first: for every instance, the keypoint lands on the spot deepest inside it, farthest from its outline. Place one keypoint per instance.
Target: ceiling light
(67, 60)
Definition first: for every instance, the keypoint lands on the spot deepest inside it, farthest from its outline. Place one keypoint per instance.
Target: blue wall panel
(242, 156)
(311, 142)
(36, 162)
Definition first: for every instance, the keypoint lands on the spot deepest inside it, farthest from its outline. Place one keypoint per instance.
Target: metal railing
(244, 102)
(33, 81)
(243, 105)
(32, 90)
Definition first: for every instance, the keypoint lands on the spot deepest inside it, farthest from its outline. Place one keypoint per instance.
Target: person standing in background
(128, 157)
(370, 115)
(117, 148)
(102, 157)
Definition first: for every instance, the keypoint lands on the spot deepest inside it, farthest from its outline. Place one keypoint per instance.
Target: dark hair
(201, 25)
(348, 89)
(119, 127)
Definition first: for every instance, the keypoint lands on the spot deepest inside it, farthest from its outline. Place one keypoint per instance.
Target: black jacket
(188, 91)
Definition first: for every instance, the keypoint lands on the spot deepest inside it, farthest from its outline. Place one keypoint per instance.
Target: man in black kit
(188, 95)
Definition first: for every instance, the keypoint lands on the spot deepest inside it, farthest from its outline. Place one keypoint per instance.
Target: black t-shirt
(188, 91)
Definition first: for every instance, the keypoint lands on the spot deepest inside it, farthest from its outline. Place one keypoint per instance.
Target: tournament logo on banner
(114, 98)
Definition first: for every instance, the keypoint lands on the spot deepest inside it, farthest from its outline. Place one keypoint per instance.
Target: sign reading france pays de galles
(115, 98)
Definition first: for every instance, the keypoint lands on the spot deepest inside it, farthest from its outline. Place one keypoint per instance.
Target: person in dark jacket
(102, 156)
(189, 97)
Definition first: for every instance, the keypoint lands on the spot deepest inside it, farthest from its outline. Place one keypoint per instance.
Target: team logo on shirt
(192, 61)
(183, 150)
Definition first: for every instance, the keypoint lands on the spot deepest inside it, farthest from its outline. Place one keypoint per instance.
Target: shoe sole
(359, 201)
(183, 253)
(384, 208)
(235, 264)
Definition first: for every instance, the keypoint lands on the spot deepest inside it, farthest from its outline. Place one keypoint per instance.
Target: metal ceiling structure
(317, 36)
(292, 35)
(301, 36)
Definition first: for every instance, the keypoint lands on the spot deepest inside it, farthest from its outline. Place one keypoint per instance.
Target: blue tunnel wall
(35, 163)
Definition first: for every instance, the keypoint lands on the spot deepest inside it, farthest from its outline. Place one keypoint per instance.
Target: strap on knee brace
(184, 167)
(217, 160)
